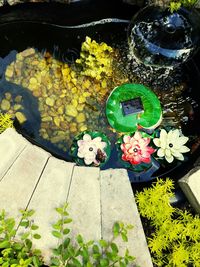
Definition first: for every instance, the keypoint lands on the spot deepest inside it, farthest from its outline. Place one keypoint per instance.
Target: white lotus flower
(88, 149)
(171, 145)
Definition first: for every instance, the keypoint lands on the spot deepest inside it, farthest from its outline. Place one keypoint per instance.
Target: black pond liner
(61, 28)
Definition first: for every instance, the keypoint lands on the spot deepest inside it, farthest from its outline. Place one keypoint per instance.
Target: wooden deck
(30, 178)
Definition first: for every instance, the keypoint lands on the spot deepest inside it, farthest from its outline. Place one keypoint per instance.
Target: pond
(53, 100)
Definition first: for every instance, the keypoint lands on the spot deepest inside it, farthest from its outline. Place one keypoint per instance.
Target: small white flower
(88, 148)
(171, 145)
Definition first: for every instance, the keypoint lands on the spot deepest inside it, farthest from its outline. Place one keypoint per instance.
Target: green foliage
(18, 253)
(87, 254)
(175, 5)
(175, 241)
(5, 122)
(95, 59)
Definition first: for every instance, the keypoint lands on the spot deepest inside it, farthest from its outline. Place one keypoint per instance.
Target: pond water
(42, 88)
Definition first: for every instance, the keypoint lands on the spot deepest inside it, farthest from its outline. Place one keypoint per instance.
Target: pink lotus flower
(136, 150)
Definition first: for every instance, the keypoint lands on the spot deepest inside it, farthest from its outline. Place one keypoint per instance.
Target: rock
(50, 101)
(64, 125)
(57, 121)
(17, 107)
(9, 72)
(33, 80)
(83, 128)
(8, 96)
(21, 117)
(74, 90)
(46, 119)
(57, 139)
(36, 93)
(59, 102)
(80, 118)
(75, 103)
(73, 128)
(18, 98)
(80, 107)
(61, 110)
(5, 105)
(27, 52)
(82, 99)
(71, 111)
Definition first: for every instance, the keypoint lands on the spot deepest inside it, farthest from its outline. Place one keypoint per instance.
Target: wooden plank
(84, 203)
(19, 182)
(11, 145)
(51, 192)
(118, 204)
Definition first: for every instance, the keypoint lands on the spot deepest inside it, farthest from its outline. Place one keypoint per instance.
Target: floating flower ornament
(171, 145)
(91, 148)
(136, 150)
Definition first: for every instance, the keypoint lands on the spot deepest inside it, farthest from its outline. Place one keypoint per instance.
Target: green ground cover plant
(6, 121)
(175, 5)
(175, 234)
(18, 251)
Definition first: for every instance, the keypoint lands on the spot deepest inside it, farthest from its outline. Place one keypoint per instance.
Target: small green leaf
(36, 236)
(24, 224)
(66, 231)
(104, 262)
(85, 255)
(96, 256)
(112, 256)
(56, 234)
(124, 237)
(30, 213)
(76, 262)
(67, 220)
(66, 242)
(56, 226)
(55, 261)
(90, 243)
(5, 264)
(121, 264)
(4, 244)
(66, 255)
(34, 227)
(95, 249)
(36, 261)
(17, 246)
(116, 229)
(114, 248)
(25, 236)
(37, 252)
(103, 243)
(79, 239)
(71, 251)
(28, 243)
(56, 252)
(60, 210)
(129, 227)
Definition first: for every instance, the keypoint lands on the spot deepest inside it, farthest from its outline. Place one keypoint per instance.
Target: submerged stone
(21, 117)
(5, 105)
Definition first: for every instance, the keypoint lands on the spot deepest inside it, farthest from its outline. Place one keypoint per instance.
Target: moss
(95, 59)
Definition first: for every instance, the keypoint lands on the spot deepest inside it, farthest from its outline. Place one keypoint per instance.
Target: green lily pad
(149, 117)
